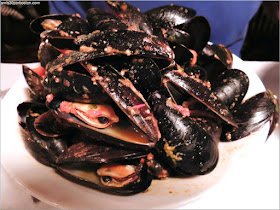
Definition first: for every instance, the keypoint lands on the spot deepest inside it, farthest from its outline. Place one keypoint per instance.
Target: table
(258, 192)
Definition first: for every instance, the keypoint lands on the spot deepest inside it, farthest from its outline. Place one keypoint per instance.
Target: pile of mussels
(125, 97)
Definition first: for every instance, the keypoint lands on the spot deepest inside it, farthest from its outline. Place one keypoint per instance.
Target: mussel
(124, 97)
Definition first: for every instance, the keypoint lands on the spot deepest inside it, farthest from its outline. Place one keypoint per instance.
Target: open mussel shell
(57, 152)
(177, 36)
(86, 150)
(137, 182)
(45, 149)
(47, 52)
(90, 151)
(199, 30)
(99, 19)
(35, 83)
(47, 125)
(199, 90)
(184, 145)
(68, 79)
(74, 86)
(216, 59)
(22, 110)
(67, 25)
(118, 88)
(128, 99)
(71, 57)
(36, 26)
(183, 55)
(252, 115)
(131, 16)
(86, 159)
(219, 52)
(122, 133)
(274, 122)
(61, 44)
(180, 42)
(169, 16)
(74, 26)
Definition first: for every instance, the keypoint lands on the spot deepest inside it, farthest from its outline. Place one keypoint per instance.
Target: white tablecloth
(260, 191)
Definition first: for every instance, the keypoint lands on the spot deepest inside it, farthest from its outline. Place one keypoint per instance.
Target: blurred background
(249, 28)
(18, 43)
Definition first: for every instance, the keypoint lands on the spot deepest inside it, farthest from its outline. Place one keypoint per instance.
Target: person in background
(228, 19)
(18, 43)
(262, 39)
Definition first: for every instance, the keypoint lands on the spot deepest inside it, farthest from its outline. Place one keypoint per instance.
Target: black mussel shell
(211, 126)
(183, 56)
(122, 134)
(169, 16)
(71, 25)
(44, 149)
(177, 36)
(186, 147)
(35, 83)
(143, 72)
(22, 110)
(53, 151)
(47, 125)
(220, 52)
(196, 71)
(74, 26)
(200, 91)
(86, 176)
(275, 117)
(199, 30)
(120, 90)
(127, 43)
(75, 87)
(131, 16)
(252, 115)
(36, 26)
(87, 150)
(99, 19)
(47, 53)
(231, 87)
(128, 99)
(216, 59)
(67, 78)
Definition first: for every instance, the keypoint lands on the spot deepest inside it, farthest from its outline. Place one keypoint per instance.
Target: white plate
(43, 183)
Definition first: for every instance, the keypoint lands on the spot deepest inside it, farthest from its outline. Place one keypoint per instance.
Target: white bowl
(43, 183)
